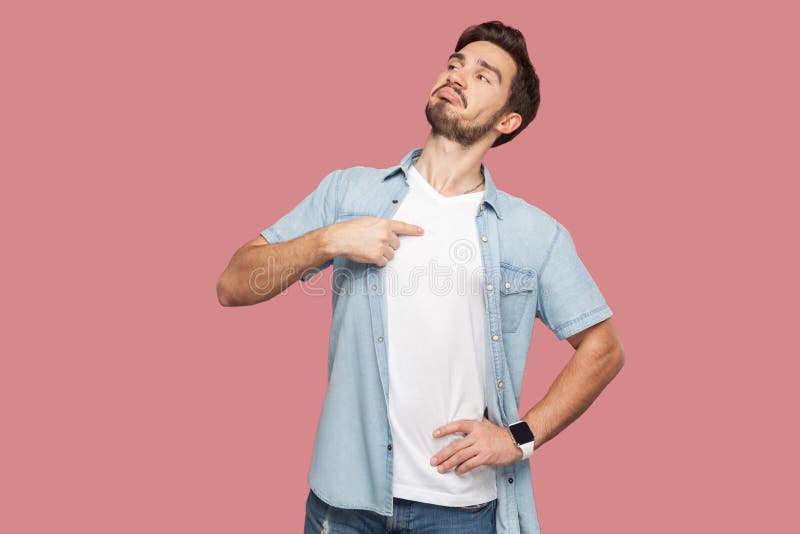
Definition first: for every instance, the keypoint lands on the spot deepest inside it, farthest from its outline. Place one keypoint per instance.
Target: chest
(501, 256)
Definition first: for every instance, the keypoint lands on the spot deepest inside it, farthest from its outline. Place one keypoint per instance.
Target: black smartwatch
(523, 437)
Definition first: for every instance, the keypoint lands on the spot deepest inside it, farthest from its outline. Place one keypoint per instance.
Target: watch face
(522, 432)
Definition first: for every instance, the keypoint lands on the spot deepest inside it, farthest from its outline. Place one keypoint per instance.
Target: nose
(454, 78)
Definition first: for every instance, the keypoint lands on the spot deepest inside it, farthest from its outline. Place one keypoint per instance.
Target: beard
(447, 124)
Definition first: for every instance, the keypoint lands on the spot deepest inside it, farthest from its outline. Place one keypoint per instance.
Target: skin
(465, 121)
(259, 270)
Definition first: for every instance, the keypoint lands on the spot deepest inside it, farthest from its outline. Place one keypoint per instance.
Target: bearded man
(438, 276)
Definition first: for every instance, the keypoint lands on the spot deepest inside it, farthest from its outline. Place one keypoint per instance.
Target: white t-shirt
(436, 335)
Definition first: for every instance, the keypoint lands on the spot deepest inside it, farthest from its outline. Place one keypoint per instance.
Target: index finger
(400, 227)
(461, 425)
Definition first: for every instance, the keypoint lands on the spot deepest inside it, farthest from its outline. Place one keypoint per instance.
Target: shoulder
(363, 173)
(362, 190)
(361, 176)
(519, 213)
(527, 232)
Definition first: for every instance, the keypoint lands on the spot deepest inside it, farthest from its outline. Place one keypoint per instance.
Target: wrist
(514, 443)
(327, 242)
(523, 438)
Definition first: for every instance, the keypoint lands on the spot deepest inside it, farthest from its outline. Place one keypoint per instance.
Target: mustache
(455, 90)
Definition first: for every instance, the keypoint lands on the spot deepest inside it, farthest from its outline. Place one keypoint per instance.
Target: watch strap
(527, 450)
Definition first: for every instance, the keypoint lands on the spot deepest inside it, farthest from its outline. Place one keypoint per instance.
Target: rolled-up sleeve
(569, 299)
(316, 210)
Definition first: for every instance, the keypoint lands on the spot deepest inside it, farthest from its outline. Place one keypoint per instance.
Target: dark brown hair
(524, 96)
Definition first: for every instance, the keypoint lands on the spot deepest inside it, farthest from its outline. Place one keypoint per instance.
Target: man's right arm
(259, 270)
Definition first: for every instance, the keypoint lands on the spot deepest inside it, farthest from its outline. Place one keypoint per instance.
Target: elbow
(619, 357)
(230, 298)
(223, 295)
(611, 357)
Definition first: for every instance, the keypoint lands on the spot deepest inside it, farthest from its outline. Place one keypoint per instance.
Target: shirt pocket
(517, 294)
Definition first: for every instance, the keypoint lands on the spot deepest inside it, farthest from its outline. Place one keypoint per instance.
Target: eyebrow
(482, 63)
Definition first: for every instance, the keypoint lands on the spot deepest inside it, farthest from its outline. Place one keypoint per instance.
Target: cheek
(440, 82)
(492, 96)
(493, 102)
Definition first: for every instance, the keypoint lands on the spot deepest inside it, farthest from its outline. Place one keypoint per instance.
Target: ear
(510, 123)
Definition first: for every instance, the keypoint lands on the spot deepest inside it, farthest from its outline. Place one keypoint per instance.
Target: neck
(450, 168)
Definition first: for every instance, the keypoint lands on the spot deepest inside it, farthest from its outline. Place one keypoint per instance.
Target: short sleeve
(316, 210)
(569, 299)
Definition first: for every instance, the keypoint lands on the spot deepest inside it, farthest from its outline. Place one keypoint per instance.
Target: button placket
(485, 226)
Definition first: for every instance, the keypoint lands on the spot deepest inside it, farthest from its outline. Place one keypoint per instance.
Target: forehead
(492, 54)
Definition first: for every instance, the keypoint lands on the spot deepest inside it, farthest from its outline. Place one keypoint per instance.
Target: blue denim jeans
(410, 517)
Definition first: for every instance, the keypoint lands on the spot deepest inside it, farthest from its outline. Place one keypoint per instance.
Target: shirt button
(508, 285)
(510, 480)
(484, 238)
(374, 286)
(481, 207)
(500, 384)
(380, 339)
(389, 447)
(394, 201)
(495, 337)
(490, 287)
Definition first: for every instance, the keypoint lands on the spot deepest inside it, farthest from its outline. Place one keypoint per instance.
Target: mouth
(449, 95)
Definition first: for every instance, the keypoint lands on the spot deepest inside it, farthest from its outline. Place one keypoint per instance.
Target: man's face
(468, 96)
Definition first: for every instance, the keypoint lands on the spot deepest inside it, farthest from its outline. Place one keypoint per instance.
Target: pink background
(142, 145)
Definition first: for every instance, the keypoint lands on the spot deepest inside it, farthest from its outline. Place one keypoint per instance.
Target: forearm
(575, 388)
(259, 272)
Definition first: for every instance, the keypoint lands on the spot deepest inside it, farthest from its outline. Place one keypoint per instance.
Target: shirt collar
(490, 192)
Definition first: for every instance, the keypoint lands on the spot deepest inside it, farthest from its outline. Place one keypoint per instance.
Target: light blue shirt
(531, 269)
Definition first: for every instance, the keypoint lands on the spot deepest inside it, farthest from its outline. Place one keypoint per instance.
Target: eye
(485, 78)
(451, 67)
